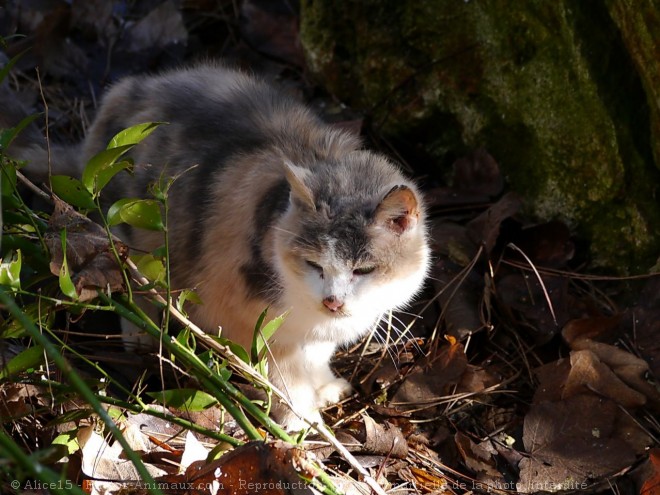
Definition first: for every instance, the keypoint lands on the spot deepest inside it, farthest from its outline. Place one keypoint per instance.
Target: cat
(271, 208)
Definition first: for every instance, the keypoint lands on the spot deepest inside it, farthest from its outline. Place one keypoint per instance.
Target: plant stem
(79, 384)
(56, 484)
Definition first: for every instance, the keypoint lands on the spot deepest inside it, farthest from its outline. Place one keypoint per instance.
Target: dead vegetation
(518, 372)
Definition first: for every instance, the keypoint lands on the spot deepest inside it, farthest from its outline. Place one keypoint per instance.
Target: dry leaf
(594, 328)
(651, 485)
(478, 173)
(485, 229)
(385, 439)
(569, 449)
(628, 369)
(480, 458)
(272, 28)
(160, 27)
(459, 301)
(589, 373)
(89, 254)
(525, 298)
(256, 467)
(431, 380)
(107, 462)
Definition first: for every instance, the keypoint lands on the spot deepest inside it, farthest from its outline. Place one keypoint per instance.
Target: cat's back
(204, 107)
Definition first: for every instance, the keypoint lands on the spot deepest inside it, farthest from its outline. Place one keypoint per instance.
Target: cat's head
(353, 243)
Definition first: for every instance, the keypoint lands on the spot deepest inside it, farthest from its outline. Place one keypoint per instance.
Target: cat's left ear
(399, 210)
(295, 176)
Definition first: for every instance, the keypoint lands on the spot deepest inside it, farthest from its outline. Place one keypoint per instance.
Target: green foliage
(23, 361)
(66, 283)
(140, 213)
(10, 270)
(105, 165)
(263, 333)
(72, 191)
(8, 135)
(185, 399)
(31, 296)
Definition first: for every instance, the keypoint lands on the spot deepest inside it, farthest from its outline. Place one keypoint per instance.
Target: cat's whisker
(406, 333)
(383, 341)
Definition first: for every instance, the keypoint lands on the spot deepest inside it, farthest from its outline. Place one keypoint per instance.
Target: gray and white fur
(271, 208)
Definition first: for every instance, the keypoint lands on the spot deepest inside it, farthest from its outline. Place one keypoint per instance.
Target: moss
(550, 88)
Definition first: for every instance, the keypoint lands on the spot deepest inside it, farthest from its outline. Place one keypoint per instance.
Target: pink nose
(332, 303)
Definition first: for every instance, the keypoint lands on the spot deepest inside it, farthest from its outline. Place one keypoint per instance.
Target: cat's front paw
(332, 392)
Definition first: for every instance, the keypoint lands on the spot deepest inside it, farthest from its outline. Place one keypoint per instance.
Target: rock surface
(565, 95)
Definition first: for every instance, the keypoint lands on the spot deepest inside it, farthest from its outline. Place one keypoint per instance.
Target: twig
(538, 276)
(43, 99)
(33, 187)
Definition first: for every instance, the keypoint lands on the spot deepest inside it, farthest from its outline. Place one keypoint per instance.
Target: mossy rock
(563, 94)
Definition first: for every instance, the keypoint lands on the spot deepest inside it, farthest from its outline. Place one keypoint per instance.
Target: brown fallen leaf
(425, 481)
(651, 474)
(626, 367)
(480, 458)
(594, 328)
(367, 437)
(643, 321)
(569, 448)
(478, 172)
(459, 298)
(485, 229)
(385, 439)
(161, 27)
(547, 244)
(89, 254)
(432, 379)
(589, 373)
(257, 467)
(272, 28)
(525, 298)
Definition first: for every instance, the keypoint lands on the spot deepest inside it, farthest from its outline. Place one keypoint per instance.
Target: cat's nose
(332, 303)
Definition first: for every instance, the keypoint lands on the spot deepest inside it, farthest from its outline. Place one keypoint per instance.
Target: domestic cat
(271, 208)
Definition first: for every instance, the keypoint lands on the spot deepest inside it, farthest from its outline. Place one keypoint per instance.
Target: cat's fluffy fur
(274, 208)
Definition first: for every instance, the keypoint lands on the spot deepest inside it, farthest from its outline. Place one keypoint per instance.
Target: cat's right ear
(399, 210)
(300, 193)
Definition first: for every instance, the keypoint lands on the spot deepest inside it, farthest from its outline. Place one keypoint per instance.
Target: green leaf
(187, 399)
(263, 334)
(38, 312)
(72, 191)
(221, 367)
(30, 358)
(8, 179)
(150, 266)
(187, 295)
(105, 174)
(141, 213)
(8, 135)
(237, 349)
(100, 163)
(113, 217)
(186, 340)
(10, 271)
(7, 68)
(69, 440)
(133, 135)
(66, 284)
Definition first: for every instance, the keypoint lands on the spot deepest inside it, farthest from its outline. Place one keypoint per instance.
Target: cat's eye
(316, 266)
(364, 270)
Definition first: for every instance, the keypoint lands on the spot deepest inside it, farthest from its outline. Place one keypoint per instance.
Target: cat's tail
(30, 145)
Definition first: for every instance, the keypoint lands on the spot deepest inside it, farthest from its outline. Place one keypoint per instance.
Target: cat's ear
(295, 176)
(399, 210)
